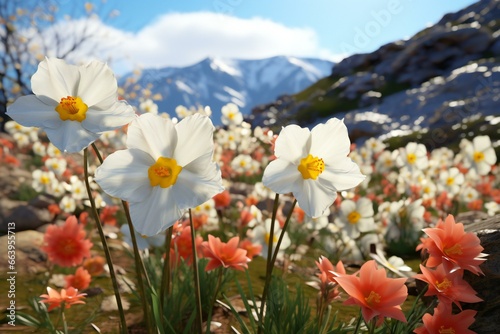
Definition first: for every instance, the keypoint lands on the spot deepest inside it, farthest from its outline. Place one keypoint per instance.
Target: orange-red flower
(221, 254)
(376, 294)
(453, 247)
(94, 265)
(329, 272)
(443, 321)
(222, 200)
(66, 245)
(182, 244)
(251, 248)
(80, 280)
(66, 298)
(448, 286)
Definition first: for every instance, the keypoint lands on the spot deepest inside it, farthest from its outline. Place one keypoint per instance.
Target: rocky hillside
(445, 75)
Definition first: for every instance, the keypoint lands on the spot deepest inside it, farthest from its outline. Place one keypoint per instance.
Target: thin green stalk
(358, 324)
(280, 239)
(139, 264)
(123, 323)
(268, 265)
(217, 287)
(65, 325)
(196, 276)
(165, 278)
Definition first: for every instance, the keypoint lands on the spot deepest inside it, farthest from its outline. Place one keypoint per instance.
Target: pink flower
(226, 255)
(443, 321)
(451, 245)
(447, 286)
(376, 294)
(66, 298)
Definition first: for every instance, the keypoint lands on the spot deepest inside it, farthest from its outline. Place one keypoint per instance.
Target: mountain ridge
(216, 81)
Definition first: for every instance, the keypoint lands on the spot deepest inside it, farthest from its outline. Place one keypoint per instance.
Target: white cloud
(180, 39)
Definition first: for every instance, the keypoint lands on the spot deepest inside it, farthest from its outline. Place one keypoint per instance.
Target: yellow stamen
(443, 330)
(164, 172)
(445, 284)
(456, 249)
(268, 235)
(450, 181)
(72, 108)
(311, 167)
(478, 156)
(373, 298)
(353, 217)
(411, 157)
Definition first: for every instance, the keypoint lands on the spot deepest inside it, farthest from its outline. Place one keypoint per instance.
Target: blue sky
(177, 33)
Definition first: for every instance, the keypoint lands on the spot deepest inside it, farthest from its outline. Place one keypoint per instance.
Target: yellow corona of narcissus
(73, 104)
(313, 165)
(166, 169)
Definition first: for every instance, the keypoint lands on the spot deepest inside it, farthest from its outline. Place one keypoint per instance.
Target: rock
(26, 218)
(370, 98)
(30, 259)
(488, 286)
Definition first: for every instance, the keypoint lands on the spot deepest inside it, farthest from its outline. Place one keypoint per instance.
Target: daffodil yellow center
(478, 156)
(164, 172)
(411, 157)
(456, 249)
(353, 217)
(44, 180)
(445, 284)
(373, 298)
(72, 109)
(450, 181)
(268, 236)
(311, 167)
(443, 330)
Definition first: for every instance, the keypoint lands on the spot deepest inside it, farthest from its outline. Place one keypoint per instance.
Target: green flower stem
(269, 266)
(65, 325)
(285, 226)
(123, 323)
(196, 276)
(139, 264)
(165, 279)
(217, 287)
(358, 323)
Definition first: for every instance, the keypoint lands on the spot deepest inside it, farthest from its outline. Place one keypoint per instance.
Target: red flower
(66, 298)
(94, 265)
(448, 287)
(222, 200)
(377, 295)
(108, 215)
(80, 280)
(222, 254)
(451, 245)
(182, 244)
(443, 321)
(251, 248)
(66, 245)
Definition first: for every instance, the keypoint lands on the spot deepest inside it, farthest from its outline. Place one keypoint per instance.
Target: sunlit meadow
(235, 229)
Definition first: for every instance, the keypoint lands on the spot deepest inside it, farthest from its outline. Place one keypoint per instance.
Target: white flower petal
(156, 212)
(124, 174)
(490, 156)
(343, 179)
(97, 86)
(293, 143)
(31, 111)
(55, 79)
(119, 114)
(152, 134)
(347, 206)
(481, 143)
(193, 189)
(194, 138)
(280, 176)
(313, 197)
(71, 137)
(322, 137)
(206, 167)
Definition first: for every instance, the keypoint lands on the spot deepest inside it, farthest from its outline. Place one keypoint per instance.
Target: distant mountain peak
(216, 81)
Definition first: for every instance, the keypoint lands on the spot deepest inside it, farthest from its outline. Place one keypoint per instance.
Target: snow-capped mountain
(215, 82)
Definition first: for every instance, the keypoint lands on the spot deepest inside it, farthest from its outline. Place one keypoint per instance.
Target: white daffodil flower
(166, 169)
(313, 165)
(73, 104)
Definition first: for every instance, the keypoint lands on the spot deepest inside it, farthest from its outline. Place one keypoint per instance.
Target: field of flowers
(294, 232)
